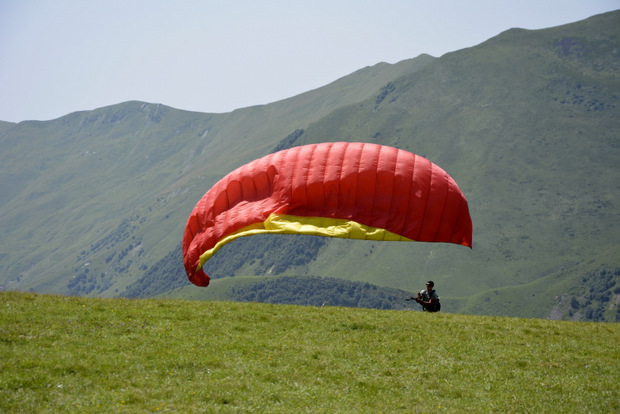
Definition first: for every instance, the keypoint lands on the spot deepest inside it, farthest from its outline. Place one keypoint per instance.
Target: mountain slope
(527, 124)
(91, 200)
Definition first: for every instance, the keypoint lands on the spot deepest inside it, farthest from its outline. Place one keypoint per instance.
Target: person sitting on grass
(428, 298)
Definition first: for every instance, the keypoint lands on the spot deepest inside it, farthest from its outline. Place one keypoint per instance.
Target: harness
(426, 296)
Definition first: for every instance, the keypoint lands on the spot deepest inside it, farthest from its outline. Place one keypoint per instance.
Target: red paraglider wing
(341, 189)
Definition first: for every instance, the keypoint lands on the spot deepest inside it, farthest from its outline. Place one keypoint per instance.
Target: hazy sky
(62, 56)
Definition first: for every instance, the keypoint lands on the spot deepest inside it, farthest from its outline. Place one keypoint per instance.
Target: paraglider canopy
(336, 189)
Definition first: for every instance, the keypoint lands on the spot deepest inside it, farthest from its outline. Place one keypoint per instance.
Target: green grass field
(68, 354)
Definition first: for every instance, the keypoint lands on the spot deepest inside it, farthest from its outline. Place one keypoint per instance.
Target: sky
(63, 56)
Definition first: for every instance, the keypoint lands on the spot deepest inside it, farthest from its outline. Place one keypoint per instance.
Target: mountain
(527, 123)
(90, 200)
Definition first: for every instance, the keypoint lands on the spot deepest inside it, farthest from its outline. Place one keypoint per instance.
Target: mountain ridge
(131, 139)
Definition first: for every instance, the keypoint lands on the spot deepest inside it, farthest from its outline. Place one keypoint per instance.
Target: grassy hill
(528, 124)
(70, 354)
(94, 203)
